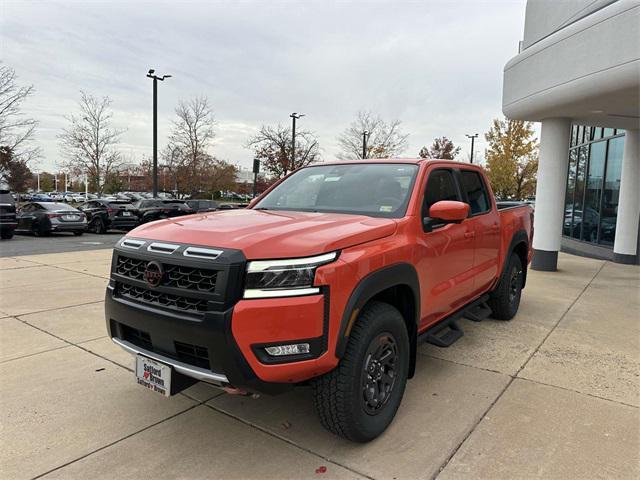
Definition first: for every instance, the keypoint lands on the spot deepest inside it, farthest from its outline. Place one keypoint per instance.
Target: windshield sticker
(332, 179)
(386, 208)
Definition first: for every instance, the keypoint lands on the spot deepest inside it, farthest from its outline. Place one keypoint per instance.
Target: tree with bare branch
(16, 130)
(272, 146)
(384, 140)
(188, 150)
(89, 142)
(442, 148)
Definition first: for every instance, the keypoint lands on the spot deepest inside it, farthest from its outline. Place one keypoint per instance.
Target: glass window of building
(571, 185)
(611, 192)
(608, 132)
(593, 192)
(578, 197)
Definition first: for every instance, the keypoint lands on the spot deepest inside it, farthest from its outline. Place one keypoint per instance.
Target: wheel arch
(520, 246)
(397, 285)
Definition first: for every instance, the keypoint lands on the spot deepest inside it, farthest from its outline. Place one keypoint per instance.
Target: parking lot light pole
(294, 116)
(151, 74)
(472, 137)
(365, 138)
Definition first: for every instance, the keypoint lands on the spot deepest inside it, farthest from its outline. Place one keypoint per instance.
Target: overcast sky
(436, 66)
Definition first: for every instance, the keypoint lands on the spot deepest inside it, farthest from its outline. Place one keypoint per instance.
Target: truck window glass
(373, 189)
(476, 192)
(440, 186)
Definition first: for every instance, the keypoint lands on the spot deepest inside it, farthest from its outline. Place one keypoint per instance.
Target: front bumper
(231, 342)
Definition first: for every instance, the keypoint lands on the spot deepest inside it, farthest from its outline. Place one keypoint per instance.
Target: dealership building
(578, 74)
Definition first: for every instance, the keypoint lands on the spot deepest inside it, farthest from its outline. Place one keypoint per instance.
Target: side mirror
(444, 212)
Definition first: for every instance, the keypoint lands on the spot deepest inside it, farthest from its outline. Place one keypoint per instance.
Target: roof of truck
(415, 161)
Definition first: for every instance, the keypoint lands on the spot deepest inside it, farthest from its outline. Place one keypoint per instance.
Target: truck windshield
(373, 189)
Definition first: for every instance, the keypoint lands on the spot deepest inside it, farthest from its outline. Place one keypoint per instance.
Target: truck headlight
(284, 278)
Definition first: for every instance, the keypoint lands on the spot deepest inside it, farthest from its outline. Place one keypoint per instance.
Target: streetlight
(365, 136)
(155, 78)
(294, 116)
(472, 137)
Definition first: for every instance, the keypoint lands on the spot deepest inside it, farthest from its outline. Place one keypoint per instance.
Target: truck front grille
(161, 299)
(176, 276)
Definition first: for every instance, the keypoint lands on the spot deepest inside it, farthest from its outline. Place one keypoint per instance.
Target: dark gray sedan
(43, 218)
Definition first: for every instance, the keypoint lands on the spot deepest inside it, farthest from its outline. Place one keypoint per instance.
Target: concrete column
(625, 247)
(550, 192)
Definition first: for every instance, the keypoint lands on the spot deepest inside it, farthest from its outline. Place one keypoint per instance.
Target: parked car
(74, 198)
(331, 279)
(42, 218)
(199, 206)
(103, 215)
(157, 209)
(41, 197)
(7, 215)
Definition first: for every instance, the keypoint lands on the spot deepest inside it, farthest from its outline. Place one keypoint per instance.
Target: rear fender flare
(518, 237)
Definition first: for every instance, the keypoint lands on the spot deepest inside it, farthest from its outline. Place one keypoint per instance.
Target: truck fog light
(295, 349)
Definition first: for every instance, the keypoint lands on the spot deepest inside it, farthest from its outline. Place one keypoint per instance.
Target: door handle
(469, 234)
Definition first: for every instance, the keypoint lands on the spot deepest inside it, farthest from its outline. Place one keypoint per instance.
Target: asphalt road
(56, 243)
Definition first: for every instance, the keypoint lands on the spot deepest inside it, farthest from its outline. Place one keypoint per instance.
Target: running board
(478, 312)
(446, 332)
(445, 336)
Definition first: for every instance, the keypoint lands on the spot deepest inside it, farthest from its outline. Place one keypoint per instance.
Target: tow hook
(238, 391)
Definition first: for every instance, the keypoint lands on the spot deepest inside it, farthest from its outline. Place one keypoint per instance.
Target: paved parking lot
(555, 393)
(26, 244)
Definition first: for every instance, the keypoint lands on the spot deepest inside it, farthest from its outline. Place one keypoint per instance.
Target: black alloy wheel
(379, 372)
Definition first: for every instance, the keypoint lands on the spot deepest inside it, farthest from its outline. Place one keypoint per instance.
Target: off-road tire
(505, 299)
(339, 395)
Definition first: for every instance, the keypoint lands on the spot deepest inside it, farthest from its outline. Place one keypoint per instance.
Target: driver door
(445, 254)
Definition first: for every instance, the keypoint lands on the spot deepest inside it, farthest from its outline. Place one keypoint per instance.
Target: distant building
(578, 73)
(244, 176)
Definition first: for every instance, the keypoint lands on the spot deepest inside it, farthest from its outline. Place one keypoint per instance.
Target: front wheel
(6, 234)
(360, 397)
(505, 299)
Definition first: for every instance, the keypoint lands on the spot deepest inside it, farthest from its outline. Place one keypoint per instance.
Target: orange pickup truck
(331, 278)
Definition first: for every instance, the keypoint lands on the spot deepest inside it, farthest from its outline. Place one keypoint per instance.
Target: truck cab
(332, 278)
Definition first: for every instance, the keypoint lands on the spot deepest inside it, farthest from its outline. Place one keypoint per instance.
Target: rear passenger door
(445, 254)
(486, 225)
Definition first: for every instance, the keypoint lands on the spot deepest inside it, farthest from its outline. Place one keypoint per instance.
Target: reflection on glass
(578, 197)
(611, 191)
(608, 132)
(571, 184)
(593, 190)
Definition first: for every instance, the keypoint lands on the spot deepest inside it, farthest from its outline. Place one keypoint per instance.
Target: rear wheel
(40, 230)
(77, 234)
(99, 226)
(505, 299)
(360, 397)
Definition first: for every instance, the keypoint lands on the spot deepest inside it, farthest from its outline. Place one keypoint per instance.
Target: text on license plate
(153, 375)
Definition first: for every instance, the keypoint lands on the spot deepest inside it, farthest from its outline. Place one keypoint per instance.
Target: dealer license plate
(153, 375)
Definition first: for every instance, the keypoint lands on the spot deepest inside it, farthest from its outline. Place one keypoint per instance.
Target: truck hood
(264, 234)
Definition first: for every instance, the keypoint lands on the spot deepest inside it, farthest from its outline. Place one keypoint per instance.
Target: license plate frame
(153, 375)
